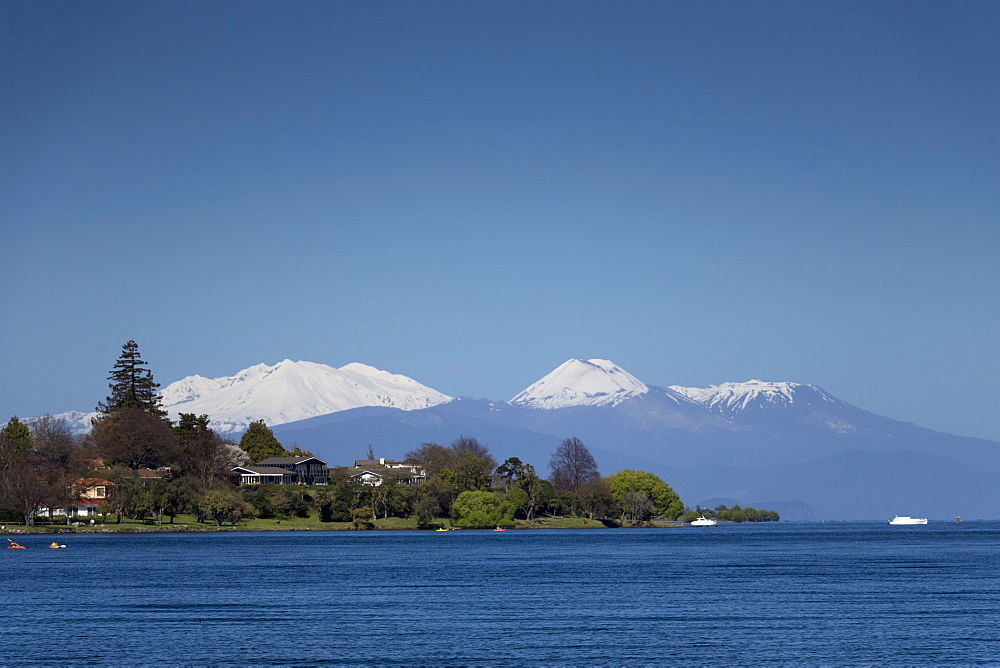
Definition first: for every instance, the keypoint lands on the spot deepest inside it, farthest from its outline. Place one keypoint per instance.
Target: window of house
(99, 492)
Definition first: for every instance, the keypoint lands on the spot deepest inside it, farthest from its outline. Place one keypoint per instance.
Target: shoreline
(186, 528)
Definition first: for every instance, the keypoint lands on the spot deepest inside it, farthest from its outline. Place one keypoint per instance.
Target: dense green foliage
(640, 495)
(734, 514)
(480, 510)
(260, 443)
(15, 441)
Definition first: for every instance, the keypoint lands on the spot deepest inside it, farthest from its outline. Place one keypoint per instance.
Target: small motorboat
(703, 521)
(906, 519)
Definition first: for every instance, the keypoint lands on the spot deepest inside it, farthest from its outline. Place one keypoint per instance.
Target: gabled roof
(93, 482)
(277, 461)
(262, 470)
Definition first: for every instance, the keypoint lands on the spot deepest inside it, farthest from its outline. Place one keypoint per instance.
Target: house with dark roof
(261, 475)
(305, 470)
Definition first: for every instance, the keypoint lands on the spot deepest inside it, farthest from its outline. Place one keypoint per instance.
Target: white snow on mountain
(77, 421)
(576, 382)
(729, 399)
(291, 391)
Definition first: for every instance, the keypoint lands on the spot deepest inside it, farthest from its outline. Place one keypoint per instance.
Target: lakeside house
(91, 493)
(373, 472)
(263, 475)
(295, 470)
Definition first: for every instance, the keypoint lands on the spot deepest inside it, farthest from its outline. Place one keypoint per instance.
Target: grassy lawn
(559, 523)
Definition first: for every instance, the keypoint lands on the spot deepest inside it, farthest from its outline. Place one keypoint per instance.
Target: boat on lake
(14, 546)
(906, 519)
(703, 522)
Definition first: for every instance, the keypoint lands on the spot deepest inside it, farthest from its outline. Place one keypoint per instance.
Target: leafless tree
(572, 466)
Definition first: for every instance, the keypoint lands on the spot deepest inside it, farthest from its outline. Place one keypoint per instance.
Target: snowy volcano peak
(732, 399)
(576, 382)
(290, 391)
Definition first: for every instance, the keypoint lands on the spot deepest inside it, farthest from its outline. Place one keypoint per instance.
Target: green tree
(434, 458)
(509, 473)
(259, 442)
(15, 441)
(595, 498)
(224, 504)
(201, 451)
(665, 501)
(132, 385)
(481, 509)
(515, 476)
(171, 498)
(434, 498)
(473, 463)
(126, 493)
(519, 500)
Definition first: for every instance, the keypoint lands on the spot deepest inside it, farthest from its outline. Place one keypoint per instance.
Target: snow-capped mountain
(786, 446)
(291, 391)
(778, 445)
(576, 382)
(731, 400)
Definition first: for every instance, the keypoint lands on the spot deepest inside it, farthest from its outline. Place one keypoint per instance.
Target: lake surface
(813, 593)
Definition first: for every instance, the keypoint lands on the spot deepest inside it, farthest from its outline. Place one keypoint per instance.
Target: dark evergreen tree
(15, 441)
(132, 385)
(259, 442)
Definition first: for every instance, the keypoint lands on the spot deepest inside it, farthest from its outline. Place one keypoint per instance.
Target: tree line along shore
(155, 474)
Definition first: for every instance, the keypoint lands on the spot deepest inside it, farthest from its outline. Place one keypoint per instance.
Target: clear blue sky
(470, 193)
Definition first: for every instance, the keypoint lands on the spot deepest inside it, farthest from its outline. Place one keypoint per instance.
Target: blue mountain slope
(837, 459)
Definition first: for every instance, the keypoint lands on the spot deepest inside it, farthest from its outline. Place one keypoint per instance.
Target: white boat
(703, 522)
(906, 519)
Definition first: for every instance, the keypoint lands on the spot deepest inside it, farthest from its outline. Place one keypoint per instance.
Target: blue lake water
(813, 593)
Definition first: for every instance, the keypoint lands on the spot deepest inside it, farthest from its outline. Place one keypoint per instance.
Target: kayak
(15, 547)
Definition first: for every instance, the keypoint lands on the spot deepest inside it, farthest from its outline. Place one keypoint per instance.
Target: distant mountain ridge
(290, 391)
(285, 392)
(796, 447)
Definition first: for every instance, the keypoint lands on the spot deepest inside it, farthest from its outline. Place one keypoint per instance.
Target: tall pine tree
(132, 385)
(15, 441)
